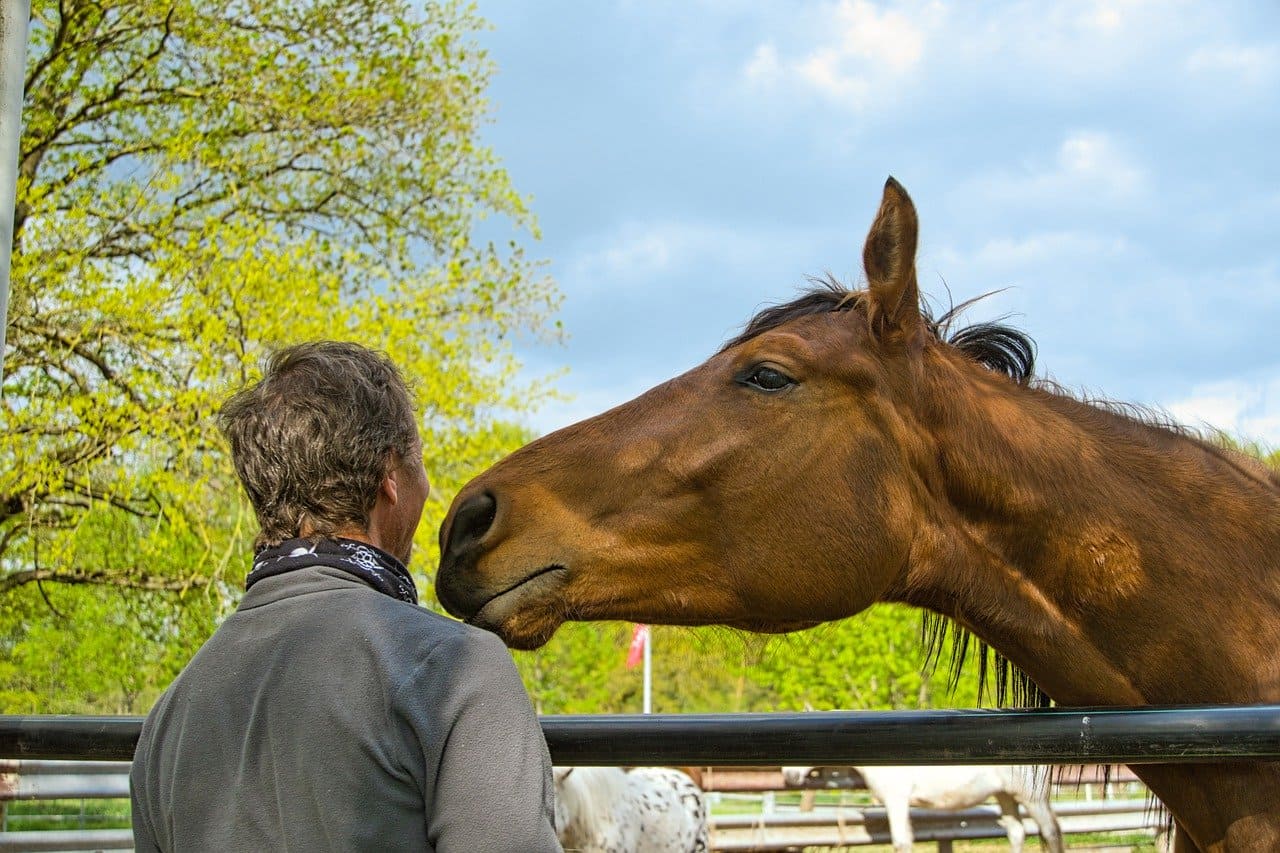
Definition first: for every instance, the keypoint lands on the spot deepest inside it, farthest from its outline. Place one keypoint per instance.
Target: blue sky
(1112, 165)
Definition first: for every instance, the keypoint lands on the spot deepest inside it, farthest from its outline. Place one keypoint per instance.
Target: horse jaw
(528, 614)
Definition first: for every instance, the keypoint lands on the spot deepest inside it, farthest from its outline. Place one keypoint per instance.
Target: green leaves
(202, 182)
(874, 661)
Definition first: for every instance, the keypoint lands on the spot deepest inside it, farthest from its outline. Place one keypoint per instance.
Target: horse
(646, 810)
(951, 787)
(847, 448)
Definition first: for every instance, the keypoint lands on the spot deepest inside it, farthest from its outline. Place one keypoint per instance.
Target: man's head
(326, 444)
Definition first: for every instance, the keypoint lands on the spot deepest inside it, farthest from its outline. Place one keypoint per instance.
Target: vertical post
(15, 16)
(648, 670)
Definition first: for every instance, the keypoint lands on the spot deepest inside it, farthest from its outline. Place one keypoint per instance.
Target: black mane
(994, 345)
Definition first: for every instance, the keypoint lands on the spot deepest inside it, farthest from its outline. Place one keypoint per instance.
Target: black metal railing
(1043, 736)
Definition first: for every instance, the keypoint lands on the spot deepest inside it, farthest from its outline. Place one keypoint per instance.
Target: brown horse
(840, 452)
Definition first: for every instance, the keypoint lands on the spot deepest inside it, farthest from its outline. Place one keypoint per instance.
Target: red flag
(639, 637)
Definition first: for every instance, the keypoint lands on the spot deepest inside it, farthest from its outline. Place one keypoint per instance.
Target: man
(330, 712)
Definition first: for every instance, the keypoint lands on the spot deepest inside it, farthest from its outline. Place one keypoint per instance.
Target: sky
(1109, 167)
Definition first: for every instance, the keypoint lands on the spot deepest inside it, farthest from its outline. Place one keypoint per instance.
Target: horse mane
(1012, 353)
(996, 346)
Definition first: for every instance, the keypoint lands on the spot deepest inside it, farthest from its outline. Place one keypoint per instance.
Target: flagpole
(648, 670)
(14, 18)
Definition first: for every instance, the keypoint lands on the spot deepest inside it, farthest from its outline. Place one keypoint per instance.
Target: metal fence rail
(857, 825)
(1043, 736)
(840, 825)
(774, 829)
(66, 840)
(63, 780)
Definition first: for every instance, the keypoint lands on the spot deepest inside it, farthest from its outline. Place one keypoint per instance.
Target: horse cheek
(875, 520)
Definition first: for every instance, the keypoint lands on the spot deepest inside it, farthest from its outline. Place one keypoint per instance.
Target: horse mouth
(756, 626)
(524, 614)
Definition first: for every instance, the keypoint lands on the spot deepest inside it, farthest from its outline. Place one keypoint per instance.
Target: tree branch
(78, 348)
(150, 583)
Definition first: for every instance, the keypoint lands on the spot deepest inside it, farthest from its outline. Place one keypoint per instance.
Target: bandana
(372, 565)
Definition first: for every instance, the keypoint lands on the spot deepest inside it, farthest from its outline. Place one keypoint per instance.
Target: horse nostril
(472, 521)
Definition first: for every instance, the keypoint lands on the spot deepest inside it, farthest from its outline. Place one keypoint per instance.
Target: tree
(876, 660)
(202, 181)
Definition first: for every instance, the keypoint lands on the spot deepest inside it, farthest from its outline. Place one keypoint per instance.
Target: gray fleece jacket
(324, 715)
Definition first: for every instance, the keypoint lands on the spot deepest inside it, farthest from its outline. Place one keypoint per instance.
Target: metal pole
(1169, 735)
(648, 669)
(15, 16)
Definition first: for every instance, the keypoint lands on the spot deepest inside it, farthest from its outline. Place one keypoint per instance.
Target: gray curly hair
(312, 440)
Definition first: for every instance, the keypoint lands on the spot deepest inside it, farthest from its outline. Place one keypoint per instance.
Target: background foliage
(202, 181)
(872, 661)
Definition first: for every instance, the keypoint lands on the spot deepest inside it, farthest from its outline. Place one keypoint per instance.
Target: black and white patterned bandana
(371, 564)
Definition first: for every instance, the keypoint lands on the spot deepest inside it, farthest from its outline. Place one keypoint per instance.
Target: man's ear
(389, 488)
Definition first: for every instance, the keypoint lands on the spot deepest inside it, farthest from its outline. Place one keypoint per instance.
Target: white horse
(646, 810)
(950, 787)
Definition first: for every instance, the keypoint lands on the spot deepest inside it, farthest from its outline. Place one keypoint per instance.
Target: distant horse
(847, 449)
(944, 787)
(646, 810)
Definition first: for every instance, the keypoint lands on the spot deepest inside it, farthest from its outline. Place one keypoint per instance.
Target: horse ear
(890, 261)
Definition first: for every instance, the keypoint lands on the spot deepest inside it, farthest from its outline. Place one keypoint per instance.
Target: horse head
(743, 492)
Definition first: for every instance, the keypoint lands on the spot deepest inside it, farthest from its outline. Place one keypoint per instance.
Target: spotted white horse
(645, 810)
(950, 787)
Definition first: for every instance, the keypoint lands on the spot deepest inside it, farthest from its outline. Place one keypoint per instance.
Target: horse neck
(1091, 549)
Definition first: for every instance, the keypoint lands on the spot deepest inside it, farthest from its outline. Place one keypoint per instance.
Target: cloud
(645, 251)
(1089, 158)
(865, 48)
(1089, 168)
(1246, 64)
(1036, 251)
(635, 252)
(1069, 37)
(1246, 408)
(861, 54)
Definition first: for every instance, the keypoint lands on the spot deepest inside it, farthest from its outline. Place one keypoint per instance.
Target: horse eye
(768, 379)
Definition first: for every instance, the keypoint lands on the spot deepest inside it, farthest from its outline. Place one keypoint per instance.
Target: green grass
(67, 814)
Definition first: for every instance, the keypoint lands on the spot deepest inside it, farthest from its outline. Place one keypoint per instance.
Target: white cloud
(763, 65)
(1246, 408)
(643, 251)
(1089, 167)
(1094, 158)
(851, 51)
(861, 47)
(636, 252)
(1038, 250)
(1107, 16)
(886, 37)
(1248, 64)
(1073, 38)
